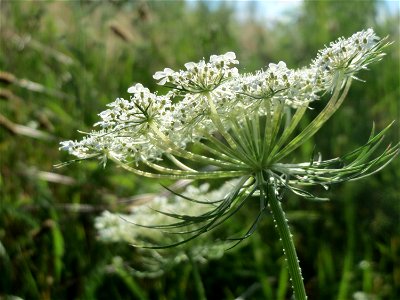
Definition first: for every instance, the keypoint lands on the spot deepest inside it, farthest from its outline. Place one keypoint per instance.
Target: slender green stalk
(259, 255)
(286, 237)
(218, 123)
(197, 279)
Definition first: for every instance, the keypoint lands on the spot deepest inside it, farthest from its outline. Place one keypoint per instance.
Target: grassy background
(61, 62)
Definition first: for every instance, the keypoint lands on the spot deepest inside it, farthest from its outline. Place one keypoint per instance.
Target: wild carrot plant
(241, 126)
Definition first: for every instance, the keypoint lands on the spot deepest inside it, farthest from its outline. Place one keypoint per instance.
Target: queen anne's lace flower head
(211, 97)
(202, 76)
(121, 227)
(142, 108)
(113, 227)
(198, 92)
(234, 120)
(348, 56)
(278, 83)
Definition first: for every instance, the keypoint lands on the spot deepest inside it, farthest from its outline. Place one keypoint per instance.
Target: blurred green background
(61, 62)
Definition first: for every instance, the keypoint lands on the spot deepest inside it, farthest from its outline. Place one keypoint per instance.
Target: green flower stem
(181, 174)
(339, 95)
(197, 279)
(168, 146)
(287, 241)
(218, 123)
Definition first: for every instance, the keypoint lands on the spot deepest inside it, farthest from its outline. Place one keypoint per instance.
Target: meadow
(61, 62)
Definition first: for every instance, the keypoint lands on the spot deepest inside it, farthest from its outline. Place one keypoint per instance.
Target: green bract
(131, 228)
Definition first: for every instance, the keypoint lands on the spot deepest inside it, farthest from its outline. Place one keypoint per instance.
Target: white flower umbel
(216, 123)
(201, 76)
(144, 221)
(348, 56)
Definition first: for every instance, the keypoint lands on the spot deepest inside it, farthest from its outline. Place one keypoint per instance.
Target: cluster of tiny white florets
(95, 142)
(142, 108)
(208, 95)
(278, 83)
(201, 76)
(347, 55)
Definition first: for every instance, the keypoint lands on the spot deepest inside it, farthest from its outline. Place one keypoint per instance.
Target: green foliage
(61, 62)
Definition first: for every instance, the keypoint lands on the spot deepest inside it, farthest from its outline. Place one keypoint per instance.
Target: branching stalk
(218, 123)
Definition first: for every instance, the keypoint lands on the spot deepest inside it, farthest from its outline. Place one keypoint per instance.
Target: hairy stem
(286, 237)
